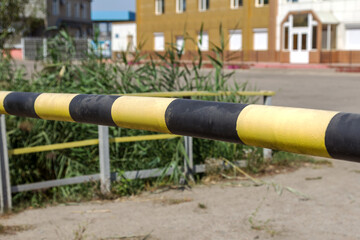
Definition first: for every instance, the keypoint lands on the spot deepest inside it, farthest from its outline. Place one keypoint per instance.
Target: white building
(314, 31)
(117, 31)
(123, 36)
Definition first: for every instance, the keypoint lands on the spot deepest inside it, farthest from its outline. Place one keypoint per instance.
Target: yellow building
(248, 26)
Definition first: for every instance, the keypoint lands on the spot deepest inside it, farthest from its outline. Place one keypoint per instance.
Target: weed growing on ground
(202, 206)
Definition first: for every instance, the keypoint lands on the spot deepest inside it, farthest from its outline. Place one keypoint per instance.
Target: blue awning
(112, 16)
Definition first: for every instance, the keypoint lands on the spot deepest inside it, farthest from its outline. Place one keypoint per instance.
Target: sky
(113, 5)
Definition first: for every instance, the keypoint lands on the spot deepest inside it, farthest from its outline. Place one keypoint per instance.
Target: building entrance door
(299, 51)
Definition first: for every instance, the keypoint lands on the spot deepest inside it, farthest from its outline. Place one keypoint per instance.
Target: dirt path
(220, 211)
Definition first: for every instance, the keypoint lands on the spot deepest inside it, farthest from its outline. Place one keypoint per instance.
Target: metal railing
(105, 176)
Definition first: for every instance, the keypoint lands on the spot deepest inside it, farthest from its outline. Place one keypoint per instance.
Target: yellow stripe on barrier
(201, 94)
(2, 97)
(285, 128)
(59, 146)
(141, 113)
(52, 106)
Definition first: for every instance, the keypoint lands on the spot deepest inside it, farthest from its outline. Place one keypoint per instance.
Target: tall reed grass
(95, 75)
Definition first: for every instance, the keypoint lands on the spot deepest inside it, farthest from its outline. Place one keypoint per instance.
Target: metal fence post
(267, 152)
(104, 158)
(23, 48)
(5, 188)
(188, 160)
(44, 48)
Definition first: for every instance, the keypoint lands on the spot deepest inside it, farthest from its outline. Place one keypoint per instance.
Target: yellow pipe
(58, 146)
(201, 94)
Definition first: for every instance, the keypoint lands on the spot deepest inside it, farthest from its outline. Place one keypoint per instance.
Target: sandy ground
(229, 210)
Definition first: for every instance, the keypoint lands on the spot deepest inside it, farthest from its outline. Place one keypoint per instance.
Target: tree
(12, 19)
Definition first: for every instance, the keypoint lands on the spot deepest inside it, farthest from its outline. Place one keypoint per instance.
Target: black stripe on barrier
(94, 109)
(21, 104)
(342, 138)
(204, 119)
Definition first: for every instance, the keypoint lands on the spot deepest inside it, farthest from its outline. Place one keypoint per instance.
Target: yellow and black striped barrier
(306, 131)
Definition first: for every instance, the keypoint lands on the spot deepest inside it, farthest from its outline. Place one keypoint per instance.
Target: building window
(203, 41)
(301, 20)
(104, 29)
(55, 7)
(204, 5)
(295, 41)
(352, 36)
(304, 41)
(77, 10)
(328, 36)
(78, 33)
(261, 3)
(260, 39)
(130, 43)
(159, 42)
(236, 3)
(68, 9)
(314, 37)
(286, 38)
(180, 43)
(235, 41)
(159, 7)
(84, 10)
(180, 6)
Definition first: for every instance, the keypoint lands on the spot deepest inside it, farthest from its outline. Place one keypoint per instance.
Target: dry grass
(143, 237)
(172, 201)
(6, 230)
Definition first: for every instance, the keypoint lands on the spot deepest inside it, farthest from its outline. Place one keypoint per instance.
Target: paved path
(319, 89)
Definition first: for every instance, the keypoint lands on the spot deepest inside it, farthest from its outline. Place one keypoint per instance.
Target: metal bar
(5, 191)
(142, 174)
(188, 159)
(89, 142)
(104, 159)
(138, 174)
(52, 147)
(23, 48)
(44, 48)
(201, 93)
(267, 153)
(55, 183)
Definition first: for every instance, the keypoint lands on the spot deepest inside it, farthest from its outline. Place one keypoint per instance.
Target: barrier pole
(104, 159)
(267, 153)
(5, 188)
